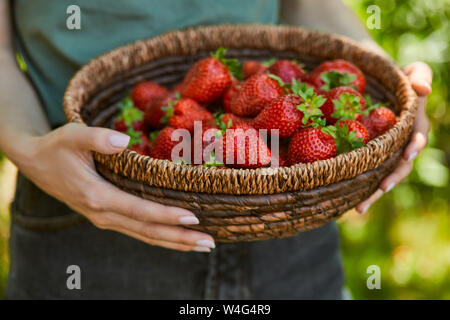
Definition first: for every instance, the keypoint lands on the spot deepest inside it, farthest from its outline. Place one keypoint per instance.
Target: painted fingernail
(426, 85)
(365, 208)
(206, 243)
(412, 156)
(188, 220)
(118, 140)
(390, 186)
(201, 249)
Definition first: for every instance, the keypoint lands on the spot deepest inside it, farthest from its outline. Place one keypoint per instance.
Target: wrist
(21, 150)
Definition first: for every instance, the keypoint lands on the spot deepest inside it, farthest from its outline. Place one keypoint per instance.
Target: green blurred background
(406, 233)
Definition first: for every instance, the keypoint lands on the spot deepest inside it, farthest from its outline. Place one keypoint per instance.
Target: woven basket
(234, 204)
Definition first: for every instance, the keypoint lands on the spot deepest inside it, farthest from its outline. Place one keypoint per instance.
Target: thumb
(101, 140)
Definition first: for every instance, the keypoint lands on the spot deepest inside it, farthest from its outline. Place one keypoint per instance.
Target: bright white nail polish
(390, 186)
(118, 140)
(188, 220)
(364, 210)
(206, 243)
(412, 156)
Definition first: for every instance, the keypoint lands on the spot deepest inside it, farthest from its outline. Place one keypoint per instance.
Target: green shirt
(53, 53)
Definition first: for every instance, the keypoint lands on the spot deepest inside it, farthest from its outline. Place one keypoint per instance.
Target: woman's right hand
(61, 164)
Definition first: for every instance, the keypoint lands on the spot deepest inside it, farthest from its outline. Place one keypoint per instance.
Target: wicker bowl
(234, 204)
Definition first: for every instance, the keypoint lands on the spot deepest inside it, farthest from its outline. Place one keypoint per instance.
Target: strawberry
(186, 111)
(229, 119)
(378, 121)
(158, 114)
(343, 103)
(139, 142)
(229, 95)
(289, 112)
(146, 93)
(287, 71)
(207, 80)
(357, 127)
(337, 73)
(129, 117)
(252, 67)
(311, 144)
(162, 145)
(255, 93)
(248, 149)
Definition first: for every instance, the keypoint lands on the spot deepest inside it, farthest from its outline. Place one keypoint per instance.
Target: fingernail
(118, 140)
(390, 186)
(364, 209)
(206, 243)
(412, 156)
(201, 249)
(426, 85)
(188, 220)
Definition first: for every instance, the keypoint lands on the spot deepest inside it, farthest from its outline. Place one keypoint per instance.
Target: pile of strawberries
(310, 116)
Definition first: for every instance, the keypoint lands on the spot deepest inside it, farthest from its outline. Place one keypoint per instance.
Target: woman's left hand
(420, 76)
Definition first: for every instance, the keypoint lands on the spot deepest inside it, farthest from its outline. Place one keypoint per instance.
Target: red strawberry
(146, 93)
(230, 94)
(186, 111)
(210, 77)
(379, 121)
(287, 71)
(129, 117)
(252, 67)
(158, 114)
(208, 136)
(248, 149)
(255, 93)
(311, 144)
(289, 112)
(231, 119)
(337, 73)
(162, 145)
(357, 127)
(142, 147)
(120, 125)
(342, 103)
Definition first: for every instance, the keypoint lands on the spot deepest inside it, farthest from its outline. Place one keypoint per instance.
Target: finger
(153, 231)
(165, 244)
(400, 173)
(364, 206)
(133, 207)
(420, 76)
(102, 140)
(419, 138)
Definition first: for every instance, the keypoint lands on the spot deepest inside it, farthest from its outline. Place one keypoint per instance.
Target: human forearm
(20, 110)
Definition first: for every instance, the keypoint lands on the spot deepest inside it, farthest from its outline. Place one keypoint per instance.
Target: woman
(65, 214)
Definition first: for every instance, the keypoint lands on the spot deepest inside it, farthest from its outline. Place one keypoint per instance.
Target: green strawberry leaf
(267, 63)
(334, 79)
(212, 162)
(370, 106)
(128, 112)
(169, 108)
(311, 102)
(233, 65)
(152, 136)
(347, 141)
(347, 106)
(135, 137)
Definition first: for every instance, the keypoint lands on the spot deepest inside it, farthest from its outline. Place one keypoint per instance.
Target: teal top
(53, 53)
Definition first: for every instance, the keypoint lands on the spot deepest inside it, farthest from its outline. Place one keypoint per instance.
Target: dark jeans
(47, 237)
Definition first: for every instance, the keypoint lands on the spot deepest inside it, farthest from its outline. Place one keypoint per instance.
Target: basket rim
(385, 142)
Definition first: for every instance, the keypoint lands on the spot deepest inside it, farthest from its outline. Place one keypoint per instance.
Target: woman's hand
(420, 76)
(61, 164)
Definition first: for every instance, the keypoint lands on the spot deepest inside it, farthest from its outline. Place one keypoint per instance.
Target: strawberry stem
(233, 65)
(334, 79)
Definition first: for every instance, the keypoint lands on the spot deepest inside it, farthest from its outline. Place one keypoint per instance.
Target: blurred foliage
(406, 233)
